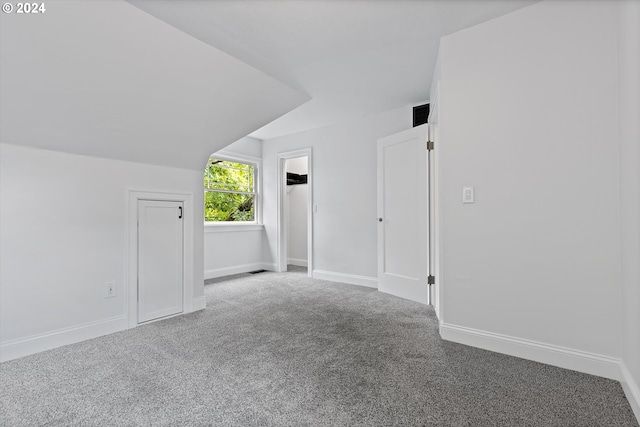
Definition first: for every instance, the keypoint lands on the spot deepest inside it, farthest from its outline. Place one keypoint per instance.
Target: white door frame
(435, 208)
(282, 234)
(131, 254)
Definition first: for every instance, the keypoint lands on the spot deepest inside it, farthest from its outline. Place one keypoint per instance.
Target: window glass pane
(230, 176)
(229, 191)
(228, 206)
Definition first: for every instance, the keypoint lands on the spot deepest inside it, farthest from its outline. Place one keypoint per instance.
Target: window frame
(256, 162)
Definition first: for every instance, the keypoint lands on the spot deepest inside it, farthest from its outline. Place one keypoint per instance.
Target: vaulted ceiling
(105, 79)
(351, 56)
(168, 82)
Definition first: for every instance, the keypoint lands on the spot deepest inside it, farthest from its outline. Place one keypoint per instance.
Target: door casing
(435, 208)
(281, 240)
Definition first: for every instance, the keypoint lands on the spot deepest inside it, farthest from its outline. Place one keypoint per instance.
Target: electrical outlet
(109, 289)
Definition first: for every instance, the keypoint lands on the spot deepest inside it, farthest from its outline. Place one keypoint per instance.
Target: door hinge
(430, 145)
(431, 280)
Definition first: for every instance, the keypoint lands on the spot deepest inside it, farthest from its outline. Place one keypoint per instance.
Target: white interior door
(403, 217)
(160, 259)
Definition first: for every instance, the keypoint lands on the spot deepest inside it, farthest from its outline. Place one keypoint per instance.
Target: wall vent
(420, 115)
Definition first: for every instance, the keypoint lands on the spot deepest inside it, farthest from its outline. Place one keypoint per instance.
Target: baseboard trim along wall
(590, 363)
(298, 262)
(34, 344)
(199, 303)
(237, 269)
(351, 279)
(631, 389)
(269, 266)
(21, 347)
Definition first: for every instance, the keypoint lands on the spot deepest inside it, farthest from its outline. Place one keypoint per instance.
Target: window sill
(231, 227)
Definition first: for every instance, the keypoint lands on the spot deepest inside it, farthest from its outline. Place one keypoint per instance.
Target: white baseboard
(236, 269)
(298, 262)
(199, 303)
(351, 279)
(34, 344)
(631, 389)
(268, 266)
(590, 363)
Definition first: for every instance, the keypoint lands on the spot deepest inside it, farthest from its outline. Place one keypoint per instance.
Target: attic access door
(160, 259)
(403, 215)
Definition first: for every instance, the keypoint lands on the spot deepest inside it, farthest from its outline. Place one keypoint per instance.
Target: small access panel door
(160, 259)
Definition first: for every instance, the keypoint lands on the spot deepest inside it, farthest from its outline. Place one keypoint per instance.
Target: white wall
(233, 248)
(297, 215)
(246, 146)
(344, 168)
(437, 76)
(629, 90)
(528, 115)
(297, 165)
(63, 221)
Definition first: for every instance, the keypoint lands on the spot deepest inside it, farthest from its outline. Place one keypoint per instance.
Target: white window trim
(214, 227)
(225, 226)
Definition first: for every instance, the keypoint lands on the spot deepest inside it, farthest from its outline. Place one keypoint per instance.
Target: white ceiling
(352, 57)
(105, 79)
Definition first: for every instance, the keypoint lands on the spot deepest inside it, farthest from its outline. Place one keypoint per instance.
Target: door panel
(403, 261)
(160, 259)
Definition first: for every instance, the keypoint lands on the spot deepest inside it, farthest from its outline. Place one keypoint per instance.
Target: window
(229, 191)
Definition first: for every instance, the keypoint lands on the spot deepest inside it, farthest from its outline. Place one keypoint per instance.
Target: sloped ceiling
(352, 56)
(105, 79)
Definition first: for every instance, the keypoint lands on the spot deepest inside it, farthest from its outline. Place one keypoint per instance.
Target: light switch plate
(468, 195)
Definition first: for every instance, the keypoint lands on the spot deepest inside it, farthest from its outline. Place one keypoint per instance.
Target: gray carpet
(283, 350)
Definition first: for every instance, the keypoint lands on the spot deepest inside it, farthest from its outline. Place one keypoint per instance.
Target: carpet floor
(279, 349)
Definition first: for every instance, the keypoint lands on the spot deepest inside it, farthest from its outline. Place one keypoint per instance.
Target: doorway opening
(295, 211)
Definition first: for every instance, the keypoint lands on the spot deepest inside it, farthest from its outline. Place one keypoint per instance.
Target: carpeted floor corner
(279, 349)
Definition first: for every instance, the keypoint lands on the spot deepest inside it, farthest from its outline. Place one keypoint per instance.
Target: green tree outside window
(229, 191)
